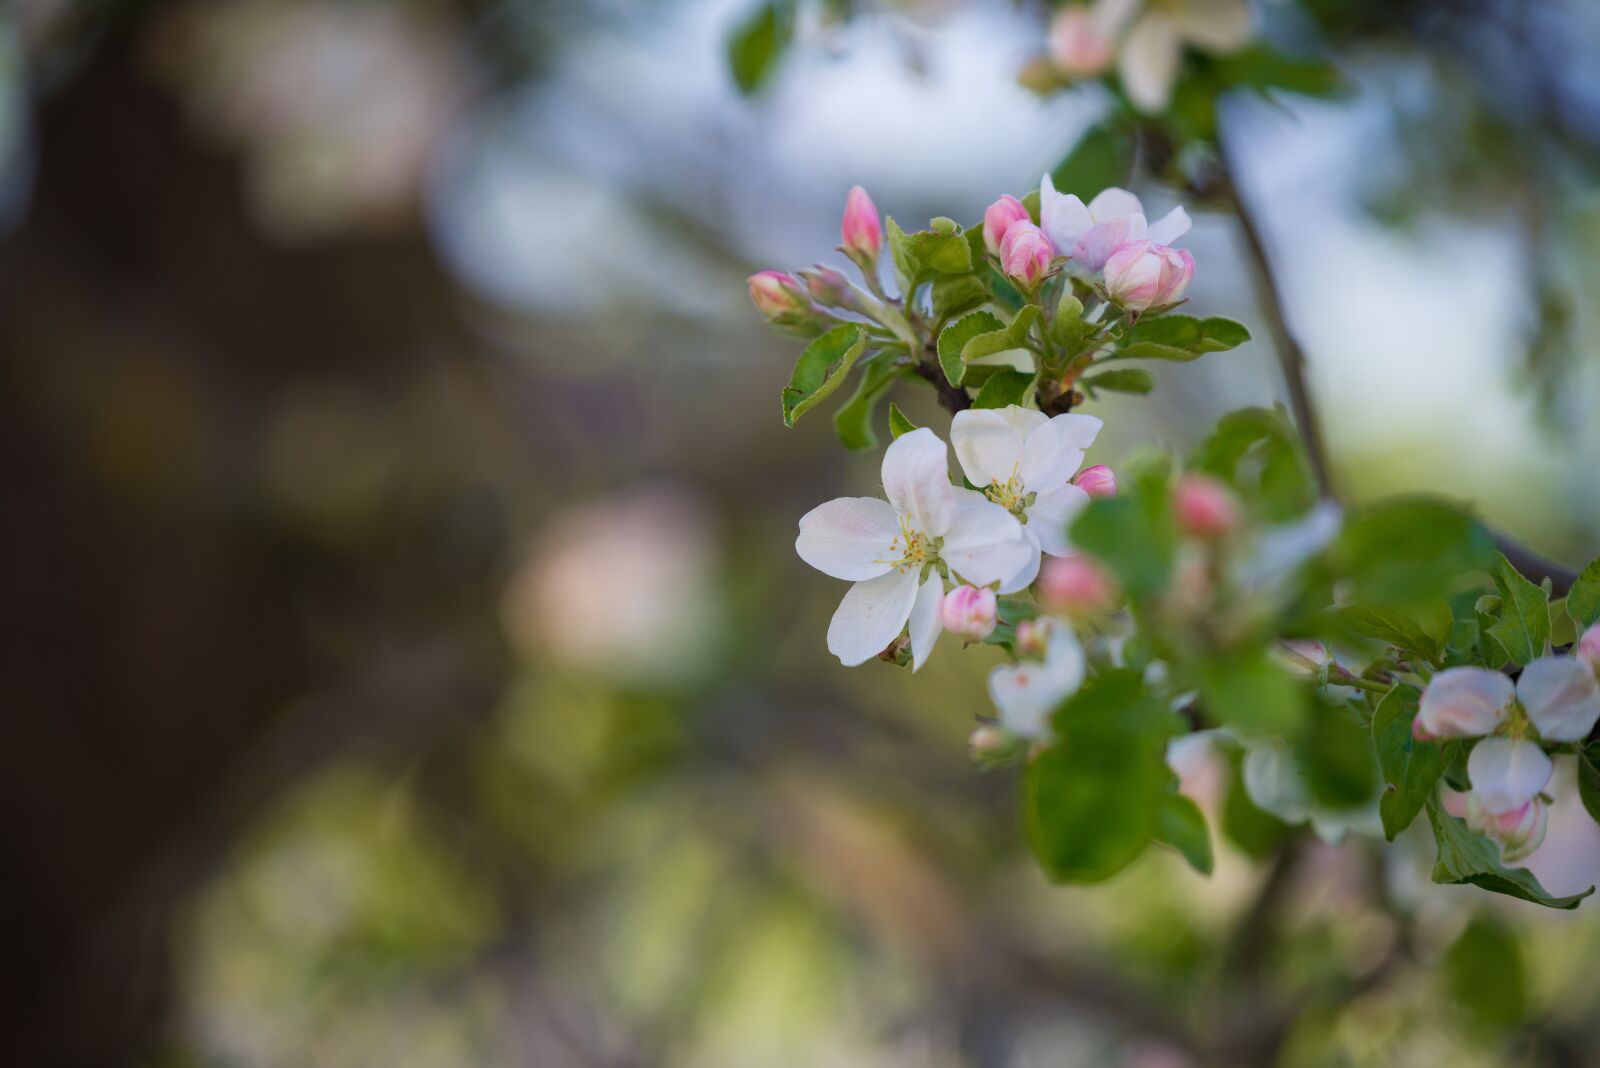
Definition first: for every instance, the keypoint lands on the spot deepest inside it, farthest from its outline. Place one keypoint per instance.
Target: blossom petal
(1507, 773)
(1216, 26)
(1026, 694)
(1462, 702)
(1052, 513)
(1171, 226)
(1148, 65)
(850, 538)
(1097, 244)
(1562, 697)
(1273, 781)
(871, 616)
(1112, 15)
(924, 625)
(916, 478)
(1024, 576)
(984, 543)
(1062, 217)
(1053, 452)
(1112, 202)
(988, 445)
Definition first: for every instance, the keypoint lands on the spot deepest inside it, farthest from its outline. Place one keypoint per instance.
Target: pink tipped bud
(997, 219)
(1097, 481)
(1079, 44)
(1588, 647)
(778, 295)
(860, 230)
(828, 287)
(1302, 656)
(1076, 586)
(988, 740)
(1025, 254)
(1205, 507)
(968, 611)
(1142, 275)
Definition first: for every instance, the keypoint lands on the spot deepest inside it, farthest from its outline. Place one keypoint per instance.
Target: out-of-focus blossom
(890, 549)
(1463, 702)
(1082, 45)
(1033, 635)
(1519, 831)
(1142, 275)
(625, 587)
(1587, 648)
(969, 611)
(997, 220)
(1023, 460)
(1090, 233)
(1076, 586)
(1302, 656)
(1151, 54)
(778, 295)
(1025, 254)
(1096, 481)
(1273, 780)
(1205, 507)
(860, 230)
(1027, 693)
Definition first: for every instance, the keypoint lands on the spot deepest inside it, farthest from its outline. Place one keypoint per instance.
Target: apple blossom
(860, 230)
(1096, 481)
(997, 219)
(896, 551)
(1141, 275)
(1027, 693)
(1519, 830)
(1023, 460)
(1081, 43)
(1587, 648)
(1090, 233)
(1151, 53)
(1076, 586)
(969, 611)
(1463, 702)
(1205, 507)
(1033, 635)
(778, 295)
(1025, 254)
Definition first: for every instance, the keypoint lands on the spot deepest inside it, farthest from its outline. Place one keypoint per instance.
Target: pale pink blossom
(1096, 481)
(997, 219)
(1588, 647)
(969, 611)
(1151, 54)
(1075, 586)
(1142, 274)
(1205, 507)
(1081, 44)
(1090, 233)
(860, 230)
(1025, 254)
(1027, 693)
(1462, 702)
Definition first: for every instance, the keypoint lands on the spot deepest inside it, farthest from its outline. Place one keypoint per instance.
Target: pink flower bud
(1025, 254)
(997, 219)
(1588, 648)
(828, 286)
(1302, 656)
(968, 611)
(1079, 45)
(1519, 831)
(1142, 275)
(1075, 586)
(1033, 635)
(778, 295)
(860, 229)
(1205, 507)
(1097, 481)
(989, 740)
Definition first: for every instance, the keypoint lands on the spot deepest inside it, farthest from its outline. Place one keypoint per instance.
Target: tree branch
(953, 398)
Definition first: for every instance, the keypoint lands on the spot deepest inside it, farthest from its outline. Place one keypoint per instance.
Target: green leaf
(1248, 690)
(944, 252)
(1258, 453)
(957, 294)
(1132, 533)
(1180, 337)
(1121, 380)
(1266, 68)
(757, 44)
(898, 423)
(1424, 632)
(823, 365)
(853, 421)
(1067, 329)
(1411, 769)
(1465, 857)
(1183, 827)
(1335, 755)
(1011, 336)
(1102, 754)
(954, 338)
(1254, 830)
(1408, 552)
(1523, 627)
(1008, 613)
(1005, 388)
(906, 265)
(1102, 157)
(1487, 975)
(1589, 779)
(1583, 600)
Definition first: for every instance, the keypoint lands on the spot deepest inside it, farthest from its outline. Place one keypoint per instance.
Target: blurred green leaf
(1411, 769)
(1247, 689)
(1007, 387)
(1180, 337)
(1408, 552)
(1102, 157)
(1424, 632)
(823, 366)
(1583, 600)
(1121, 380)
(1487, 976)
(1589, 779)
(1465, 857)
(1183, 827)
(1254, 830)
(1523, 626)
(853, 421)
(1132, 533)
(1265, 67)
(1258, 453)
(758, 43)
(1335, 755)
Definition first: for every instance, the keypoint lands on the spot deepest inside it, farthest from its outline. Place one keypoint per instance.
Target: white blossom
(1027, 693)
(1090, 233)
(1151, 54)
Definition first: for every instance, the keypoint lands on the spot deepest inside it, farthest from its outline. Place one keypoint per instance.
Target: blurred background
(406, 661)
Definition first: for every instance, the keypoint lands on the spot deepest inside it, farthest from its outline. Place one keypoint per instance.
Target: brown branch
(953, 398)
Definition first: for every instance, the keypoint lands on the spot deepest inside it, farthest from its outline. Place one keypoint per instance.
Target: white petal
(1216, 26)
(1149, 62)
(924, 624)
(1273, 782)
(1112, 202)
(985, 543)
(1052, 513)
(871, 616)
(1028, 571)
(1027, 693)
(1171, 226)
(1507, 773)
(1062, 216)
(916, 478)
(1103, 238)
(988, 445)
(1054, 451)
(1112, 15)
(1462, 702)
(849, 538)
(1561, 696)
